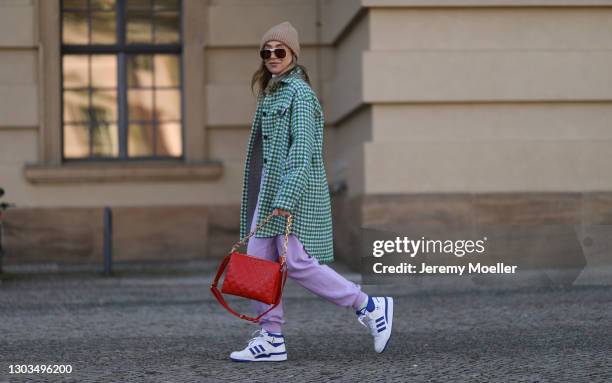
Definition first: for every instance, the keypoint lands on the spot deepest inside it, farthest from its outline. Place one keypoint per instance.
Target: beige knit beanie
(285, 33)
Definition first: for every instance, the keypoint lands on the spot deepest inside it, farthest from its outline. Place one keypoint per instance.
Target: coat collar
(286, 77)
(291, 73)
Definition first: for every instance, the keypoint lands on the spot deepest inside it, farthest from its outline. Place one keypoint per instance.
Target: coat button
(265, 160)
(265, 136)
(265, 113)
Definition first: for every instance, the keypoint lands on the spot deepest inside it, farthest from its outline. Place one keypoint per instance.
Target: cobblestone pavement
(167, 328)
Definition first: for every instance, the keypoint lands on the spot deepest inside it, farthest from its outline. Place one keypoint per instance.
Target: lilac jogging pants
(320, 279)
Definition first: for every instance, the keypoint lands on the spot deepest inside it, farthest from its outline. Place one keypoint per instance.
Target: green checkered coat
(292, 122)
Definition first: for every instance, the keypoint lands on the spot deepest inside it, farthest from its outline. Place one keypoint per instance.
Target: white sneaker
(265, 347)
(379, 321)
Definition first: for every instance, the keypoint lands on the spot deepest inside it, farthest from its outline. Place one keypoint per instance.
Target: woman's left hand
(282, 212)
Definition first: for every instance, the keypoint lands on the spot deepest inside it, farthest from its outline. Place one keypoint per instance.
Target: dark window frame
(122, 50)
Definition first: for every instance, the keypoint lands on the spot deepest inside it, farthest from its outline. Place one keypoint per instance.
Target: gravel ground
(156, 327)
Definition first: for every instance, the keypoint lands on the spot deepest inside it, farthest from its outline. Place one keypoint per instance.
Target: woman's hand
(282, 212)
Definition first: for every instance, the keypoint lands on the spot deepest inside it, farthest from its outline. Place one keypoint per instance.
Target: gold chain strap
(282, 257)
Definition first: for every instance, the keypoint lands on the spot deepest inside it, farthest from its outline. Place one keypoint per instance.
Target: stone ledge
(122, 172)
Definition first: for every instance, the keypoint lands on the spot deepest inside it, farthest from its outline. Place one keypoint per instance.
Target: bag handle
(283, 269)
(242, 241)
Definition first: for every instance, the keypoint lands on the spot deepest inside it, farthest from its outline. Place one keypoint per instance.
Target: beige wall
(18, 92)
(488, 99)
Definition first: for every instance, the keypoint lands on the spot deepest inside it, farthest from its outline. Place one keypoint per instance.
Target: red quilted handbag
(251, 277)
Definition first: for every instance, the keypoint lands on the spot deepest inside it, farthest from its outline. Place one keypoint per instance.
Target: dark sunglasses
(267, 53)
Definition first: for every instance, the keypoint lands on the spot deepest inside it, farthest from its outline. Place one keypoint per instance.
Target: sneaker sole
(390, 323)
(273, 358)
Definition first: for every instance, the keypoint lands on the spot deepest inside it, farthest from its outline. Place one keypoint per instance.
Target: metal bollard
(1, 244)
(108, 240)
(3, 207)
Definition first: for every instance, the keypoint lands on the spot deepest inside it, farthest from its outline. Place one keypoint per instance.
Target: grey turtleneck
(255, 172)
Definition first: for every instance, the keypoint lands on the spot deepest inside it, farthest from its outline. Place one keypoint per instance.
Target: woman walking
(285, 175)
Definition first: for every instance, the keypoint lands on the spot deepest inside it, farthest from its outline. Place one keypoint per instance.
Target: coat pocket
(281, 117)
(281, 110)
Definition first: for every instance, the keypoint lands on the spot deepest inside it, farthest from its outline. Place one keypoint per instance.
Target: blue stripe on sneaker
(386, 309)
(252, 351)
(261, 348)
(270, 354)
(382, 329)
(276, 344)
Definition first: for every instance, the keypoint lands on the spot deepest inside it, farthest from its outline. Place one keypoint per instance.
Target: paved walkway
(162, 328)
